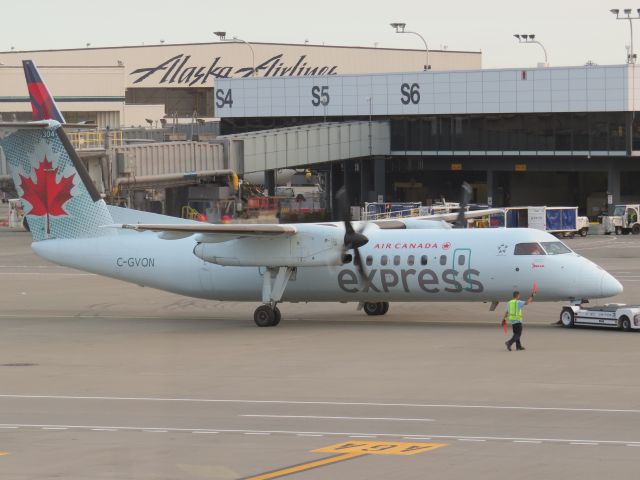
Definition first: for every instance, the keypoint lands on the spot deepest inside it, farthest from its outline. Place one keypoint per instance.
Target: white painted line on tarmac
(321, 417)
(8, 428)
(308, 435)
(295, 402)
(362, 436)
(200, 431)
(527, 441)
(417, 438)
(55, 428)
(342, 434)
(471, 440)
(633, 444)
(104, 429)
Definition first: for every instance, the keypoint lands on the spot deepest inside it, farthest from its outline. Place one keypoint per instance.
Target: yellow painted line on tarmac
(350, 450)
(2, 454)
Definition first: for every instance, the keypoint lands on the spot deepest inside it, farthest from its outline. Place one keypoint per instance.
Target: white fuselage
(413, 265)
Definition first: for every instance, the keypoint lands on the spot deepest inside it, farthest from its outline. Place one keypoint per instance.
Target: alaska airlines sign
(179, 70)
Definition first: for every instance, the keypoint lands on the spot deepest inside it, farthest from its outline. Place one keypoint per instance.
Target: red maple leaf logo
(446, 246)
(45, 195)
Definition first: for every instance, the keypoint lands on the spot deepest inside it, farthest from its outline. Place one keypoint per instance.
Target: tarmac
(106, 380)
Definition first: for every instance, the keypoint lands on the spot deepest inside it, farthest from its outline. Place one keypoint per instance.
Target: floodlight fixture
(400, 28)
(631, 56)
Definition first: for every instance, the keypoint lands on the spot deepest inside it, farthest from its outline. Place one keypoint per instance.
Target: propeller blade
(360, 265)
(464, 201)
(353, 239)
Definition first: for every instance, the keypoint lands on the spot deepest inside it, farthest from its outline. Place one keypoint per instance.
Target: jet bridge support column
(379, 176)
(613, 184)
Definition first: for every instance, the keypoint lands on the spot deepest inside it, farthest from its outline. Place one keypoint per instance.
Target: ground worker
(514, 316)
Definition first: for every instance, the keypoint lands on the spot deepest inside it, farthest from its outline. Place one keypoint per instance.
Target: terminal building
(124, 87)
(371, 118)
(552, 136)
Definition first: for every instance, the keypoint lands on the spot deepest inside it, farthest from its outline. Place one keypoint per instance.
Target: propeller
(353, 239)
(464, 201)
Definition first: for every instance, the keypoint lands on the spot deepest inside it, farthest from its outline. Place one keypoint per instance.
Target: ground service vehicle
(612, 315)
(623, 221)
(560, 221)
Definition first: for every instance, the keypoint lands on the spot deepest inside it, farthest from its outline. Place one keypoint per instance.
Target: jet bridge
(307, 145)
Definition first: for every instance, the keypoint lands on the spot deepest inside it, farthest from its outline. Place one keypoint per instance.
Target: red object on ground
(535, 287)
(504, 326)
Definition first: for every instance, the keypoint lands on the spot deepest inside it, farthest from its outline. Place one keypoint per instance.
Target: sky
(572, 31)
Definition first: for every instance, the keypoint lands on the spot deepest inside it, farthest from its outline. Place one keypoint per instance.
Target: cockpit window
(555, 248)
(529, 249)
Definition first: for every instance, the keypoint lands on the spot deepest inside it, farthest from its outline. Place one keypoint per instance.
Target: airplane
(397, 260)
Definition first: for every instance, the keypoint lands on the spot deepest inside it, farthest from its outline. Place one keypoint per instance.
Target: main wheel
(567, 317)
(618, 230)
(624, 323)
(384, 307)
(635, 229)
(264, 316)
(583, 231)
(373, 308)
(278, 316)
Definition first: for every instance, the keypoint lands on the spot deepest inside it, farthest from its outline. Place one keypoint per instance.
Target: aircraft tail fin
(58, 196)
(43, 105)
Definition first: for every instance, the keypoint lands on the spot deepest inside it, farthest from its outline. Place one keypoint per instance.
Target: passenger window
(443, 259)
(383, 260)
(424, 260)
(369, 260)
(396, 260)
(461, 260)
(411, 260)
(528, 249)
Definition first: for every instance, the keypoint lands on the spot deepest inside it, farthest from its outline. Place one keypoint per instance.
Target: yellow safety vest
(515, 313)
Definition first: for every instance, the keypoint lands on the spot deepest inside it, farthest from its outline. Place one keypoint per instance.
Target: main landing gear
(375, 308)
(267, 316)
(274, 281)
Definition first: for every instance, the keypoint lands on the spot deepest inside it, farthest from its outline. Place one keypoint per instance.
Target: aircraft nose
(610, 286)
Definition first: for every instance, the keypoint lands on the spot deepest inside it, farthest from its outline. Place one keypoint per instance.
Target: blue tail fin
(43, 105)
(58, 196)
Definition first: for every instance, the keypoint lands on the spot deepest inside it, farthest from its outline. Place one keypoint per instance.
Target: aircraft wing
(436, 221)
(452, 217)
(211, 233)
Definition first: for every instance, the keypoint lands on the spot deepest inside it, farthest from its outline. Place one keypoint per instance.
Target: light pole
(631, 57)
(222, 37)
(529, 38)
(400, 28)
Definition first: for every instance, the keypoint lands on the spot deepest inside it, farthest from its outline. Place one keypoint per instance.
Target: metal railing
(94, 140)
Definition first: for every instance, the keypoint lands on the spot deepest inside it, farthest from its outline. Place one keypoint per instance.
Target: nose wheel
(267, 316)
